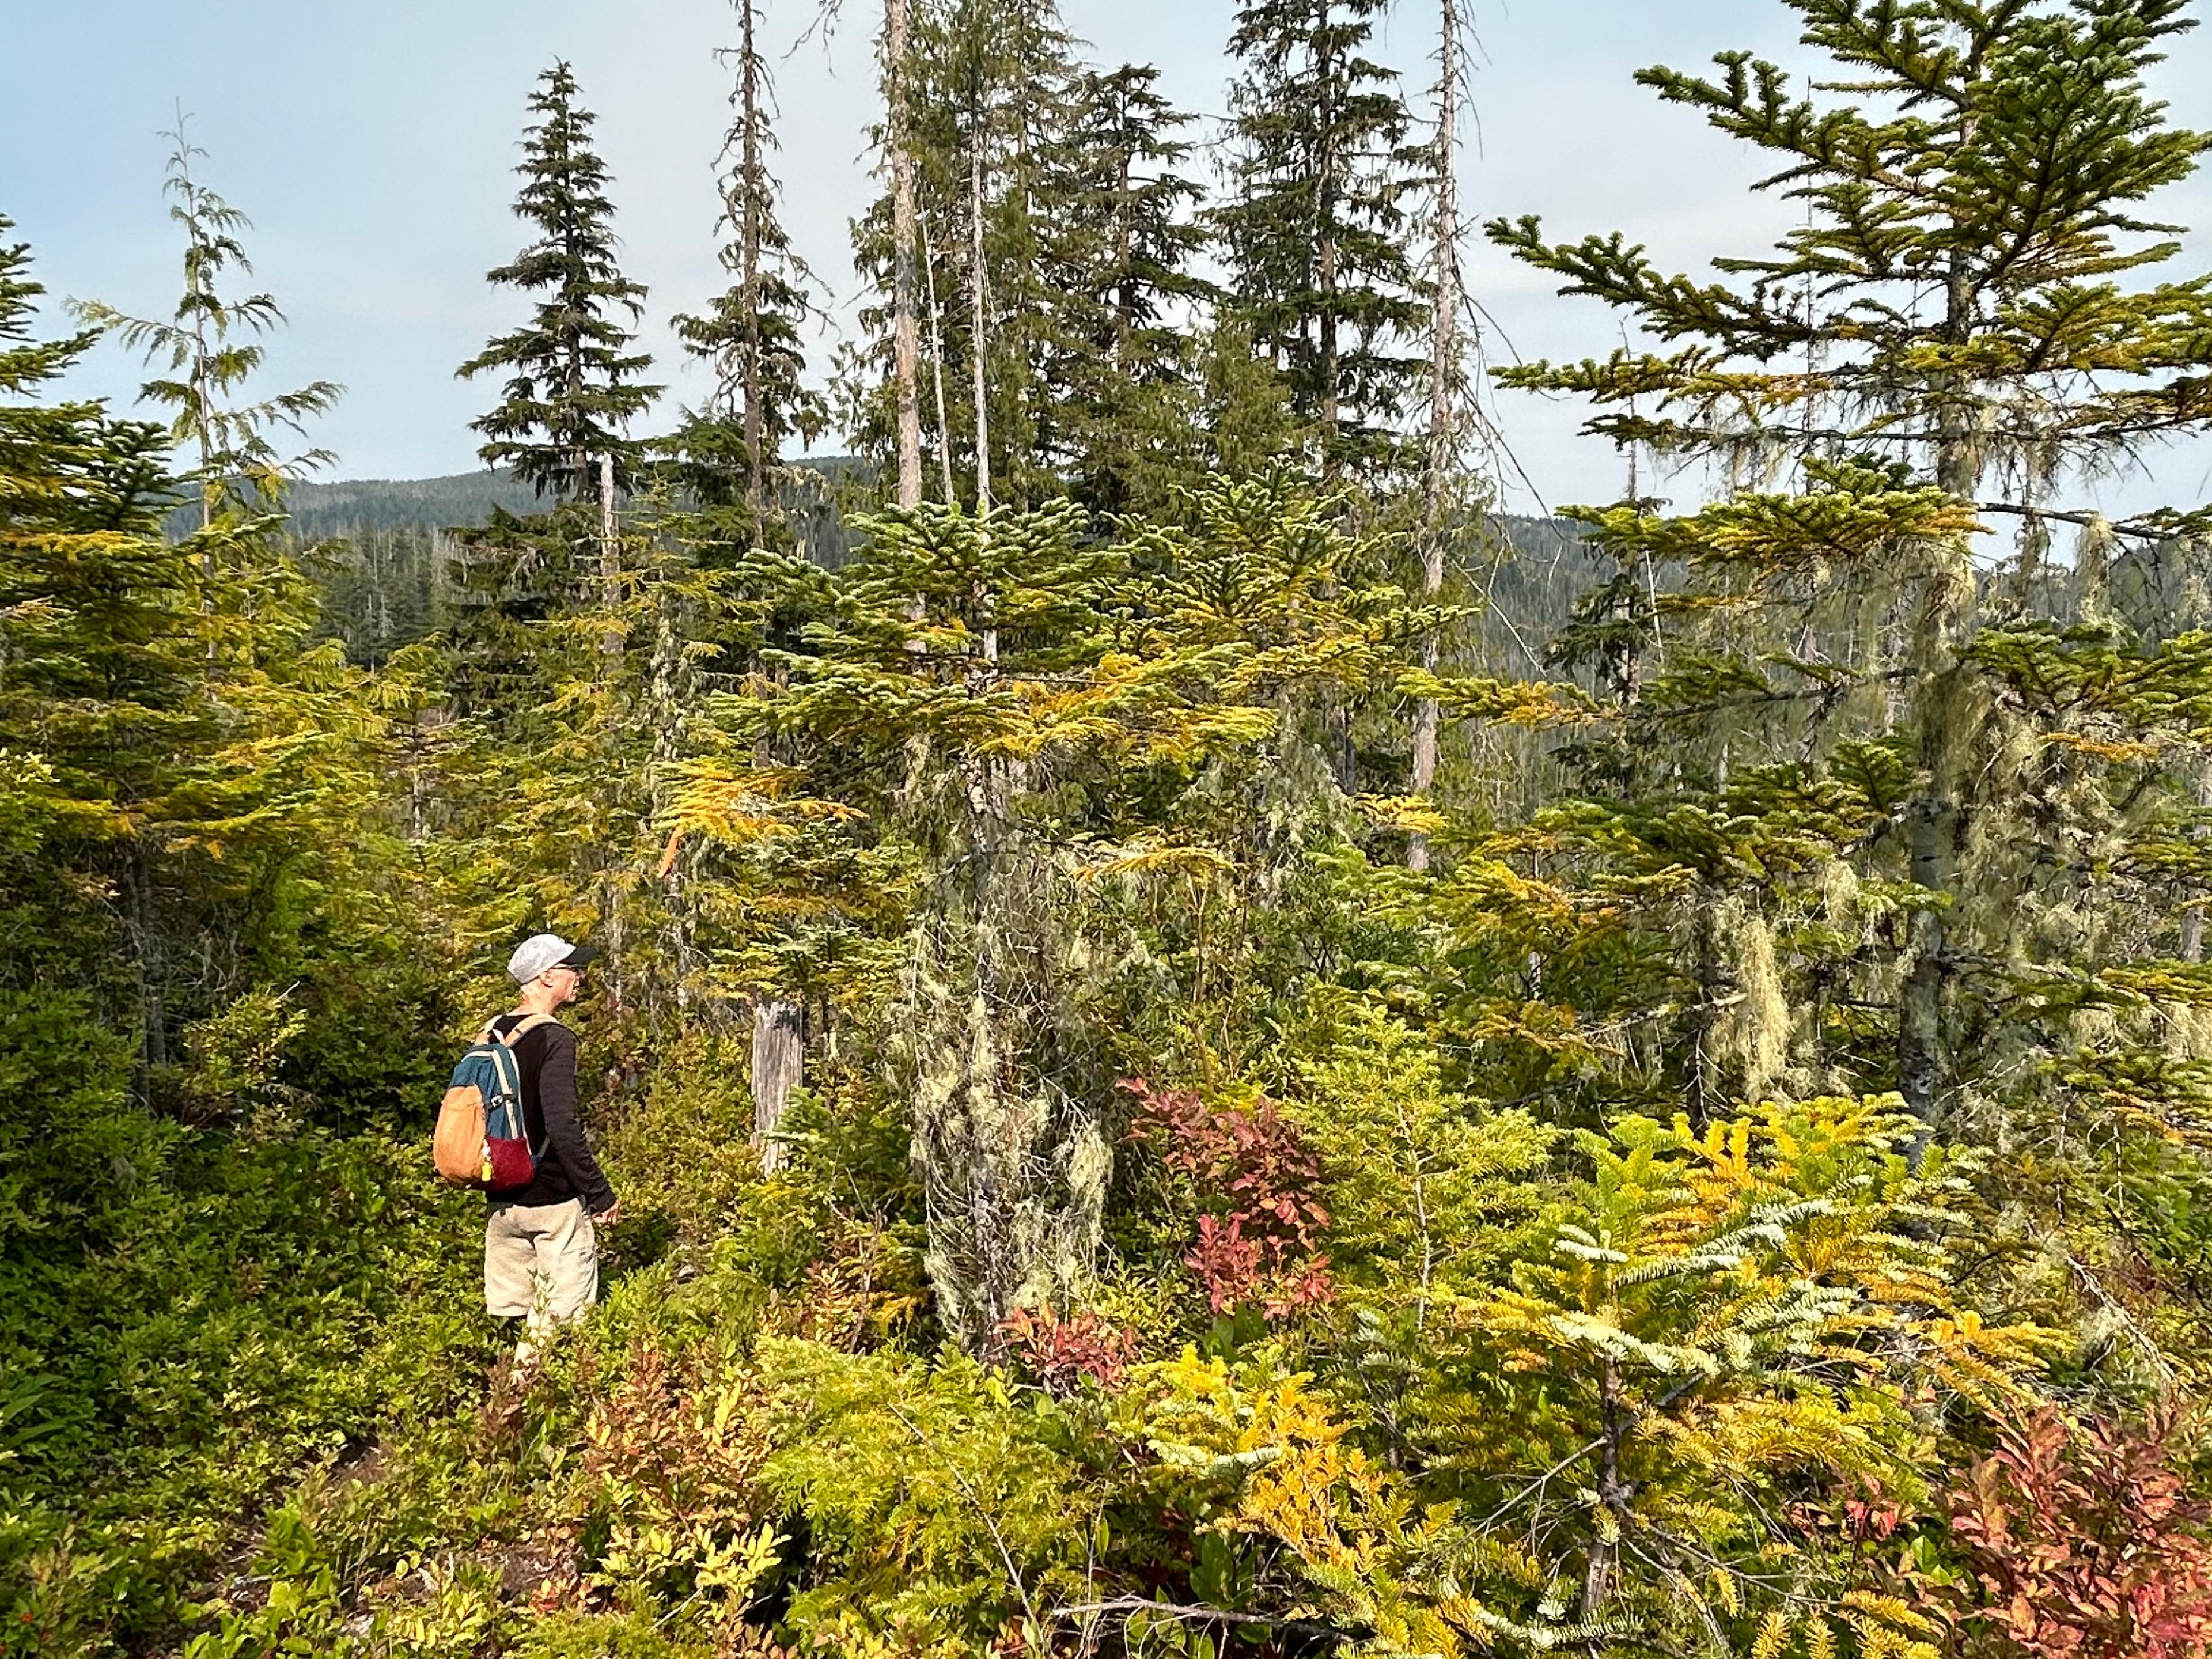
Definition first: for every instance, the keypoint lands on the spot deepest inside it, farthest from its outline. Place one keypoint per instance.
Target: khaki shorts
(541, 1262)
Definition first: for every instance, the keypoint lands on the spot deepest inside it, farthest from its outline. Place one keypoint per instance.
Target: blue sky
(370, 142)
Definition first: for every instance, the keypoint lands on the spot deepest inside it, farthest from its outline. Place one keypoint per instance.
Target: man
(541, 1242)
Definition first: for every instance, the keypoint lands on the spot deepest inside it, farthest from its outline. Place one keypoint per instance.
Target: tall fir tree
(1009, 67)
(728, 464)
(572, 389)
(1953, 304)
(730, 455)
(987, 84)
(1121, 293)
(1314, 232)
(190, 768)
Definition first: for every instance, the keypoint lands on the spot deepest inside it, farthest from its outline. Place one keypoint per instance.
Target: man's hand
(608, 1217)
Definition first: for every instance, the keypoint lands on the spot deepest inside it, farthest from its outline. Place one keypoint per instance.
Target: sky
(371, 142)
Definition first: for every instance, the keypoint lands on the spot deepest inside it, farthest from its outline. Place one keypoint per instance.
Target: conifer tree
(571, 388)
(1712, 1284)
(1121, 292)
(1048, 691)
(730, 455)
(880, 383)
(208, 347)
(1007, 67)
(728, 464)
(988, 88)
(1314, 230)
(89, 590)
(186, 750)
(1956, 305)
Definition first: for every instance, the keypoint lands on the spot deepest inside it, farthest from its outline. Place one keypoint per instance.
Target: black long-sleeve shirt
(546, 1056)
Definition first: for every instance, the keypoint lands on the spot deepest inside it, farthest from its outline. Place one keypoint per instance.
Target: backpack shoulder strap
(523, 1028)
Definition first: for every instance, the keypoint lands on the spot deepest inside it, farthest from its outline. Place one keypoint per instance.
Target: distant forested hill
(386, 542)
(353, 505)
(350, 506)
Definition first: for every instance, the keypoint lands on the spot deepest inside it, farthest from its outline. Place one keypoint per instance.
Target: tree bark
(936, 363)
(1711, 987)
(609, 562)
(778, 1063)
(905, 338)
(749, 239)
(146, 942)
(1934, 820)
(1612, 1491)
(2192, 919)
(978, 313)
(1325, 250)
(1443, 363)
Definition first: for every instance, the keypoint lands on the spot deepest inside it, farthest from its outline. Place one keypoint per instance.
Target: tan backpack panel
(457, 1147)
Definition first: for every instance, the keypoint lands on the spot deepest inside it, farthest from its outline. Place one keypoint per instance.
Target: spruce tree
(729, 454)
(98, 687)
(1118, 246)
(1314, 231)
(183, 783)
(728, 464)
(572, 389)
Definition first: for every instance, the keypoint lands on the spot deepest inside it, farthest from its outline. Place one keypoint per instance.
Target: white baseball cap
(543, 951)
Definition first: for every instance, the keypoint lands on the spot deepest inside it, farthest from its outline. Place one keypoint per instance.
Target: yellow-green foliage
(941, 1502)
(1422, 1183)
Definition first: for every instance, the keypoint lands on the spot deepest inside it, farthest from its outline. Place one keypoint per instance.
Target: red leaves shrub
(1254, 1176)
(1060, 1352)
(2082, 1542)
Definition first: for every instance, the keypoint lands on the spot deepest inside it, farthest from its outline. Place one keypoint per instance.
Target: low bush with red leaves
(1254, 1178)
(1061, 1352)
(2082, 1542)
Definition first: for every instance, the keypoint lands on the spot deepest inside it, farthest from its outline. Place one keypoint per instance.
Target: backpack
(481, 1139)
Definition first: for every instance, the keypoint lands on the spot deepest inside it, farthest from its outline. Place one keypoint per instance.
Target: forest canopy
(1210, 1047)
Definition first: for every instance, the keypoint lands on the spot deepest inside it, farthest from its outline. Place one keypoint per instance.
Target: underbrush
(191, 1318)
(1344, 1336)
(250, 1390)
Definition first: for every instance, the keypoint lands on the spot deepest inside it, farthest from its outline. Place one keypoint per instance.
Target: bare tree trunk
(2192, 919)
(779, 1062)
(1125, 308)
(1443, 367)
(749, 237)
(670, 689)
(1713, 988)
(937, 362)
(609, 562)
(1325, 254)
(146, 945)
(905, 341)
(1613, 1493)
(1933, 818)
(978, 313)
(1338, 713)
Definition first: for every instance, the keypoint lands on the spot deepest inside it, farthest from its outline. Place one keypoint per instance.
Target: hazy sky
(371, 142)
